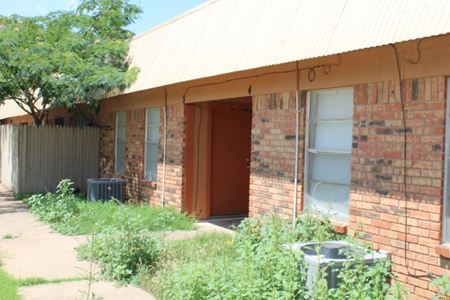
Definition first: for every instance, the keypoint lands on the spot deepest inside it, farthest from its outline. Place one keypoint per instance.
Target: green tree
(66, 58)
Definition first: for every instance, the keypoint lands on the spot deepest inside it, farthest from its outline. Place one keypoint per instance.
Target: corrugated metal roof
(223, 36)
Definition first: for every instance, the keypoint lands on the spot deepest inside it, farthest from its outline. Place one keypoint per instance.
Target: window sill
(340, 227)
(149, 183)
(443, 250)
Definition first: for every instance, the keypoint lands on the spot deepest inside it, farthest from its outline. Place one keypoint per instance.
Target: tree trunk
(37, 119)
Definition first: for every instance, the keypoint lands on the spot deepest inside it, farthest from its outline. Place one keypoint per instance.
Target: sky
(155, 11)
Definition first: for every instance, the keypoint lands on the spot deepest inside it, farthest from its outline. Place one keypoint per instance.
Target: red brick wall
(377, 204)
(273, 154)
(176, 144)
(106, 146)
(377, 198)
(139, 189)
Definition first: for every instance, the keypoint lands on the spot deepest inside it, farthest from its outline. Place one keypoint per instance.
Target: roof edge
(175, 19)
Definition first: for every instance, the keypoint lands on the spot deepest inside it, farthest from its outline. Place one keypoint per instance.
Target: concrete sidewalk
(36, 251)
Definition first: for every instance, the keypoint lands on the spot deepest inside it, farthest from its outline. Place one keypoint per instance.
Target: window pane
(121, 118)
(153, 116)
(151, 160)
(121, 134)
(329, 198)
(154, 170)
(152, 142)
(153, 134)
(330, 129)
(331, 136)
(333, 168)
(337, 104)
(153, 155)
(120, 160)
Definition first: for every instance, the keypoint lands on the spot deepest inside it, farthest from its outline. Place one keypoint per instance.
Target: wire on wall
(405, 176)
(419, 54)
(326, 69)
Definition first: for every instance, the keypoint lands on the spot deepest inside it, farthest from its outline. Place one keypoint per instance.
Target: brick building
(238, 111)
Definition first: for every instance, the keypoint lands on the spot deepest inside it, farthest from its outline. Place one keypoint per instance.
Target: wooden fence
(35, 159)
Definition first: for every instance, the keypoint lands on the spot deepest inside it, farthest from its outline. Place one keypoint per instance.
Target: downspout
(164, 149)
(297, 124)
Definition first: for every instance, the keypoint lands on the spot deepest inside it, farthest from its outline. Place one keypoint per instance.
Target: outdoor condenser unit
(332, 255)
(106, 189)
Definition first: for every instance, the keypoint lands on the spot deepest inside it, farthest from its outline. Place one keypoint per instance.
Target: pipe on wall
(297, 124)
(164, 149)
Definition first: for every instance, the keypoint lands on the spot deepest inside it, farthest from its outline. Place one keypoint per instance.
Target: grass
(180, 253)
(72, 214)
(8, 236)
(22, 196)
(95, 217)
(8, 287)
(32, 281)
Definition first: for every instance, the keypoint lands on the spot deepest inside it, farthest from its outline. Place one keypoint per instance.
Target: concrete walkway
(29, 248)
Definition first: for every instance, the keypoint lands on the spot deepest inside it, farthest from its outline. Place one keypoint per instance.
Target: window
(328, 152)
(446, 217)
(151, 143)
(121, 126)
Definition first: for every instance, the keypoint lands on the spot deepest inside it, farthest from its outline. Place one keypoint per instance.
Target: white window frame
(148, 176)
(116, 169)
(307, 201)
(446, 205)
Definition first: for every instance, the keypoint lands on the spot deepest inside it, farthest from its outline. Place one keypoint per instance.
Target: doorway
(218, 147)
(230, 136)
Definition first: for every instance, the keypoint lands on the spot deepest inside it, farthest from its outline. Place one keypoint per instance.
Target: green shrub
(261, 268)
(397, 291)
(311, 228)
(120, 253)
(443, 287)
(95, 217)
(213, 247)
(55, 207)
(359, 280)
(71, 214)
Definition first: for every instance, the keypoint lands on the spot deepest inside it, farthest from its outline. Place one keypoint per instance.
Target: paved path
(36, 251)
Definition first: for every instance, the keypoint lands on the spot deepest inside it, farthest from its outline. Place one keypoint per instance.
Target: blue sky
(155, 11)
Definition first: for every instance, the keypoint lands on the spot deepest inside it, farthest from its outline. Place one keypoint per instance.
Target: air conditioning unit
(106, 189)
(331, 256)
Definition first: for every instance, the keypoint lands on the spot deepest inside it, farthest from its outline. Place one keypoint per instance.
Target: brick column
(273, 154)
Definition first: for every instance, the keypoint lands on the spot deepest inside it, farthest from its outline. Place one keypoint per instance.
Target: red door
(230, 159)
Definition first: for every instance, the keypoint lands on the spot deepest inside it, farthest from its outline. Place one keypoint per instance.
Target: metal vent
(331, 256)
(106, 189)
